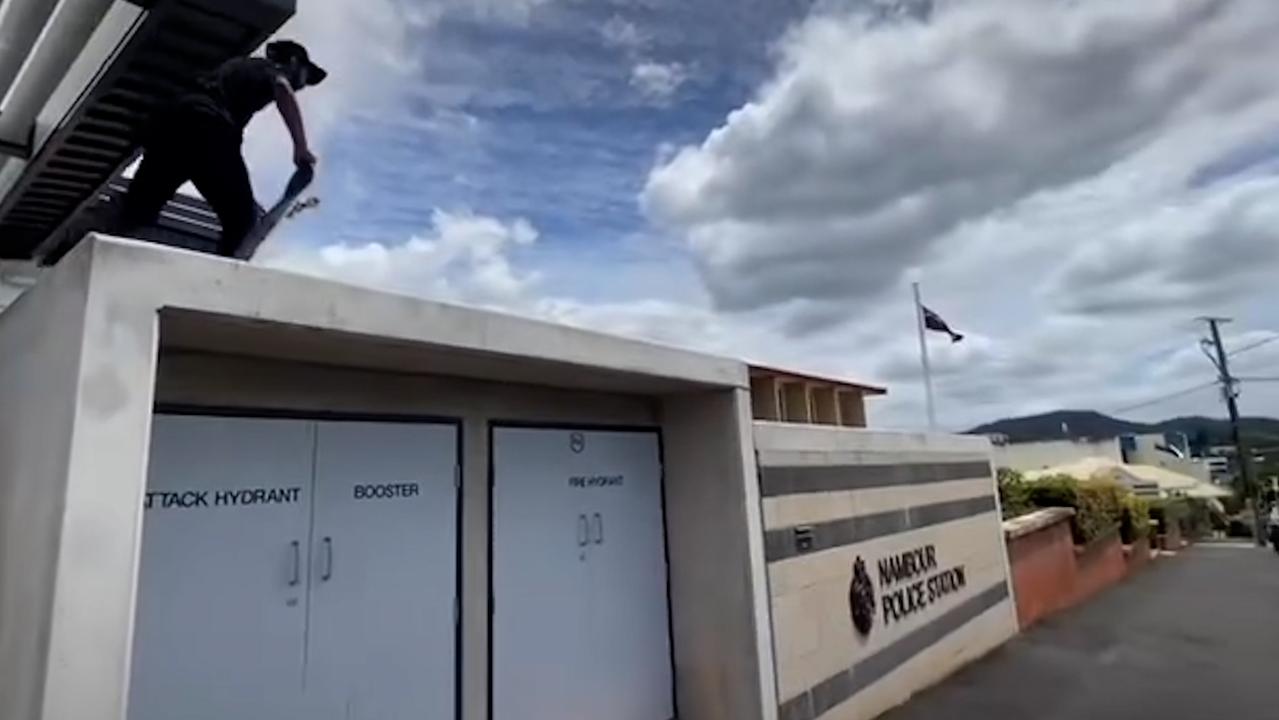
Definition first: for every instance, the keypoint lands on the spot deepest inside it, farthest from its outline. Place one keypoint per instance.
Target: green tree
(1014, 493)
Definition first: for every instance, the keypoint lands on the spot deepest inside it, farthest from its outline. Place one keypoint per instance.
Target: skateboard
(286, 207)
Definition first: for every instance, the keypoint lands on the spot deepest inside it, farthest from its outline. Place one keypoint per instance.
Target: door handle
(296, 577)
(328, 559)
(583, 531)
(599, 529)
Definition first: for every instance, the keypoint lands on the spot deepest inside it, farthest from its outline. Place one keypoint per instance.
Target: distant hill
(1258, 431)
(1049, 426)
(1091, 424)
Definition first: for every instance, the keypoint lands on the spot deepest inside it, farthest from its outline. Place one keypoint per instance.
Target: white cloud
(1183, 256)
(658, 81)
(462, 258)
(1038, 165)
(477, 260)
(622, 33)
(366, 47)
(375, 51)
(510, 11)
(873, 141)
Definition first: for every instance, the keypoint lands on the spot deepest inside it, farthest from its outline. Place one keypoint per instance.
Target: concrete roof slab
(211, 304)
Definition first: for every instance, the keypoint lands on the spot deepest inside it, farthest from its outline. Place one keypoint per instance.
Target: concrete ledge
(214, 305)
(1034, 522)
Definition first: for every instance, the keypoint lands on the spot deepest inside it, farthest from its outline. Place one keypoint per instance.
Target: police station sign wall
(910, 583)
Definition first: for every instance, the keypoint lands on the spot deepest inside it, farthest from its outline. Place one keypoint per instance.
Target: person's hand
(303, 156)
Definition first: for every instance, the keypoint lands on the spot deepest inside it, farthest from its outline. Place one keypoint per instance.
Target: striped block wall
(887, 567)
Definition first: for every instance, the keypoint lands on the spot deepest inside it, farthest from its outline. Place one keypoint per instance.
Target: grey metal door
(221, 611)
(580, 625)
(629, 602)
(297, 570)
(541, 539)
(383, 573)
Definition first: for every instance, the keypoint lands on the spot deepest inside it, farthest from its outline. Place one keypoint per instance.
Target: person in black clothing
(198, 138)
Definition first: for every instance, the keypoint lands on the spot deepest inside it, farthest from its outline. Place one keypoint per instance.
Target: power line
(1165, 398)
(1253, 346)
(1211, 383)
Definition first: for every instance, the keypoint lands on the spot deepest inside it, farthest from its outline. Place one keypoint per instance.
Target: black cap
(284, 50)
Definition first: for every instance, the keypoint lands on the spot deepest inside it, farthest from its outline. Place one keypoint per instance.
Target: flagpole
(923, 359)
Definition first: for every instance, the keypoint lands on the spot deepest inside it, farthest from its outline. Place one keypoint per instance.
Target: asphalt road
(1194, 636)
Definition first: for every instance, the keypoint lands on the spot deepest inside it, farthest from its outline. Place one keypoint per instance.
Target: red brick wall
(1051, 574)
(1098, 566)
(1044, 569)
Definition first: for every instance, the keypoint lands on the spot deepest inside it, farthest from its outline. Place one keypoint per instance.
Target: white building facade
(227, 491)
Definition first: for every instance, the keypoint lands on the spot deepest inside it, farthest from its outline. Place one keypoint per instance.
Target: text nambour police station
(915, 589)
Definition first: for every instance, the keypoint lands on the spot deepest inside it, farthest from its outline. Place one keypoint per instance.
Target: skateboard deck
(268, 220)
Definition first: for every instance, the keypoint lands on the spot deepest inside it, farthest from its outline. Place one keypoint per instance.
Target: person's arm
(292, 115)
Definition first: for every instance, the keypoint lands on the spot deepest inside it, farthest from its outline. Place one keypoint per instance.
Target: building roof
(763, 371)
(1135, 476)
(1084, 469)
(1165, 478)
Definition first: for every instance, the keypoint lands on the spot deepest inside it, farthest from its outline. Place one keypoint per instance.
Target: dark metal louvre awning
(186, 222)
(171, 45)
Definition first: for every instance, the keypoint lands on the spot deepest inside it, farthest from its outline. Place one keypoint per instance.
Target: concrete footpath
(1193, 636)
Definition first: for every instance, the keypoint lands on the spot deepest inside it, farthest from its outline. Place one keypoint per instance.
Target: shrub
(1055, 491)
(1101, 506)
(1197, 521)
(1193, 517)
(1135, 523)
(1100, 510)
(1014, 493)
(1098, 504)
(1168, 512)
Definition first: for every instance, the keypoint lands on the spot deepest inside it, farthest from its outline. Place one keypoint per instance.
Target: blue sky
(1072, 182)
(539, 117)
(524, 110)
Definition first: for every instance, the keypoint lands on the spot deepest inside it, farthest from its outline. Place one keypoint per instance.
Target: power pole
(1230, 392)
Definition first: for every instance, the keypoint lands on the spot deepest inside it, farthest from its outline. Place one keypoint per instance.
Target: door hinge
(457, 611)
(457, 476)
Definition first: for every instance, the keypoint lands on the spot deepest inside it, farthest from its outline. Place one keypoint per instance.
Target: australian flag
(933, 321)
